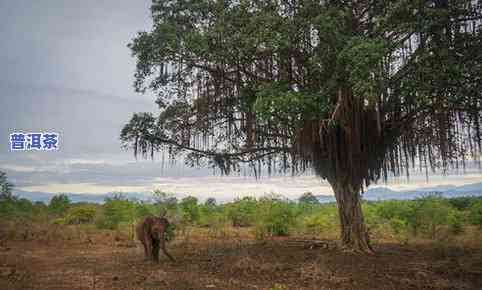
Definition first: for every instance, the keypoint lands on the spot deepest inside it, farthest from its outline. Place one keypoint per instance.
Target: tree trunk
(354, 234)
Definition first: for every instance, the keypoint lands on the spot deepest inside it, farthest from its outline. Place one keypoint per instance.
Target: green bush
(144, 209)
(241, 212)
(59, 204)
(170, 232)
(165, 204)
(475, 213)
(323, 219)
(456, 221)
(431, 212)
(212, 216)
(59, 221)
(399, 209)
(12, 207)
(82, 214)
(117, 210)
(274, 217)
(462, 203)
(189, 209)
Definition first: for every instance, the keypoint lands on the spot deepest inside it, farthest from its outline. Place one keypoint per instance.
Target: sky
(65, 67)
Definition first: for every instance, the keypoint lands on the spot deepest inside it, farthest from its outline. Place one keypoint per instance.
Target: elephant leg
(148, 246)
(155, 250)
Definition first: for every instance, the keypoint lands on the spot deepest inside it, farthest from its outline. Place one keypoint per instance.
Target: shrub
(322, 220)
(212, 216)
(475, 213)
(390, 209)
(274, 217)
(170, 232)
(461, 203)
(59, 221)
(83, 214)
(189, 209)
(456, 222)
(117, 210)
(59, 204)
(432, 212)
(241, 211)
(165, 203)
(398, 226)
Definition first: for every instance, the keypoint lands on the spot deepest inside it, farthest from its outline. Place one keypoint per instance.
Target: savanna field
(265, 243)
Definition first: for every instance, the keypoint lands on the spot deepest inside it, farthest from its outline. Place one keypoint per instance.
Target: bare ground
(236, 264)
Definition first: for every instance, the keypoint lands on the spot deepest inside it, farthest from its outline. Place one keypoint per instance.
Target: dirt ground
(236, 264)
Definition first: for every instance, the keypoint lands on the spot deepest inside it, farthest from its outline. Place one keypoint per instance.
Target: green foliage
(212, 215)
(189, 209)
(432, 211)
(278, 286)
(5, 186)
(116, 210)
(475, 213)
(277, 102)
(362, 58)
(274, 217)
(322, 219)
(81, 214)
(144, 209)
(59, 204)
(170, 232)
(59, 221)
(241, 212)
(398, 225)
(13, 207)
(263, 78)
(432, 216)
(456, 221)
(464, 202)
(166, 203)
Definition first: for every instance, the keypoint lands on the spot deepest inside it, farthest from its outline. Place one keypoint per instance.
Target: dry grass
(86, 258)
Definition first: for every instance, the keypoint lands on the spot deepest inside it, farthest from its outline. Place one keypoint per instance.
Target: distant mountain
(77, 197)
(374, 193)
(326, 198)
(384, 193)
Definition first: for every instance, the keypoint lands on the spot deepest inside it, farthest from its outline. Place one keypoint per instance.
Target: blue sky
(65, 67)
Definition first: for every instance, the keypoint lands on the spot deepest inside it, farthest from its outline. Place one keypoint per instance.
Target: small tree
(7, 199)
(475, 213)
(432, 212)
(59, 204)
(241, 212)
(165, 202)
(274, 217)
(117, 209)
(81, 214)
(189, 209)
(5, 187)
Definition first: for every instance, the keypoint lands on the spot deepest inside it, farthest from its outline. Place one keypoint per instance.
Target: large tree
(354, 90)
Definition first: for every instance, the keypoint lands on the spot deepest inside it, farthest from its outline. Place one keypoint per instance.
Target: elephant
(151, 232)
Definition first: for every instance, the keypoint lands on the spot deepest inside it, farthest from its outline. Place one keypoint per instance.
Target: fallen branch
(312, 244)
